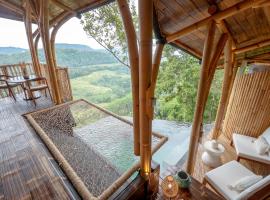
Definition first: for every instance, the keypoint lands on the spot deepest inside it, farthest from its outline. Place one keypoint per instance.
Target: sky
(13, 34)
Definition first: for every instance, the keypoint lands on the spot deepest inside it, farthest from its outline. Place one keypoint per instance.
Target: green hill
(70, 55)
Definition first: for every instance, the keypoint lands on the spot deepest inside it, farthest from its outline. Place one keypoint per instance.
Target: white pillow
(266, 135)
(245, 182)
(261, 145)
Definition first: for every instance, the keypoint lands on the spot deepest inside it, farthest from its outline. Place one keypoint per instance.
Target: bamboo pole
(228, 73)
(54, 32)
(198, 115)
(44, 31)
(155, 65)
(252, 47)
(63, 6)
(213, 65)
(36, 43)
(154, 76)
(224, 28)
(28, 28)
(243, 5)
(134, 68)
(145, 65)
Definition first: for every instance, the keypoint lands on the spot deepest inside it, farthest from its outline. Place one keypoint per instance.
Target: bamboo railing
(62, 77)
(249, 105)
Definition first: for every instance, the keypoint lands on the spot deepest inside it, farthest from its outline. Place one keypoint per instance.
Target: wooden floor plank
(27, 169)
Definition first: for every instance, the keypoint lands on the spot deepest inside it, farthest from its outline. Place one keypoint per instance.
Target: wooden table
(196, 191)
(21, 80)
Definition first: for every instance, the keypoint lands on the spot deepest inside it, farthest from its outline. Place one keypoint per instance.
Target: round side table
(211, 156)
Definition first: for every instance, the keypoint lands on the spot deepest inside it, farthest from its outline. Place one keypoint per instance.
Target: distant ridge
(70, 55)
(11, 50)
(79, 47)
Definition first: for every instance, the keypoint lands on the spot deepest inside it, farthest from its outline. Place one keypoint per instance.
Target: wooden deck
(27, 169)
(201, 169)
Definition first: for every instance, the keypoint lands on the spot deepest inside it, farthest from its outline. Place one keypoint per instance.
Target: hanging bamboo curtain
(248, 110)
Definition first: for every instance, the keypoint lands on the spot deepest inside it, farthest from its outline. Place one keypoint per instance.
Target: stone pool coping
(72, 175)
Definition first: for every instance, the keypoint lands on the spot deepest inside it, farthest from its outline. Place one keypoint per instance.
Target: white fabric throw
(245, 182)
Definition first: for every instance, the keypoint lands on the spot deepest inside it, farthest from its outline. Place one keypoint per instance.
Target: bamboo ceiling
(250, 26)
(13, 9)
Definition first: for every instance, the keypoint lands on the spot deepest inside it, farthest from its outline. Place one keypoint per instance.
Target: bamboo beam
(63, 6)
(134, 67)
(228, 74)
(239, 7)
(12, 6)
(213, 65)
(265, 61)
(28, 28)
(198, 115)
(224, 28)
(145, 65)
(36, 43)
(44, 31)
(188, 49)
(154, 76)
(252, 47)
(155, 67)
(54, 32)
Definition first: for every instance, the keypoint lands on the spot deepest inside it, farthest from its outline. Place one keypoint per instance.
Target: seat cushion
(221, 177)
(245, 148)
(266, 135)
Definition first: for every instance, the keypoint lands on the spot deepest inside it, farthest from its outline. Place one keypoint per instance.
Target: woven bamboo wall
(249, 106)
(63, 81)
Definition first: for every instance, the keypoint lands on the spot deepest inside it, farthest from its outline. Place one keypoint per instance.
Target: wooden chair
(4, 85)
(37, 84)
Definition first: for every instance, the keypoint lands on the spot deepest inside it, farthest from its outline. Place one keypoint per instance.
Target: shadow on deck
(27, 169)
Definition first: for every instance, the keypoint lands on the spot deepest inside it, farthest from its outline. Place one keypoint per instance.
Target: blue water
(174, 151)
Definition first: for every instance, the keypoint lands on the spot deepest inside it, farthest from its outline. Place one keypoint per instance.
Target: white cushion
(266, 135)
(254, 188)
(244, 183)
(226, 174)
(245, 148)
(261, 145)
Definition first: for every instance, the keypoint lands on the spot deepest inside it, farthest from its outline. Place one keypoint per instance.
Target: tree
(105, 26)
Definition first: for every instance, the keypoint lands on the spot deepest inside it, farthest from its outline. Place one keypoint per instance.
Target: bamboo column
(198, 115)
(145, 65)
(28, 28)
(213, 63)
(154, 76)
(228, 74)
(45, 36)
(64, 19)
(134, 68)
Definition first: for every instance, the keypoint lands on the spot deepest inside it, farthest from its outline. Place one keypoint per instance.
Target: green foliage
(105, 26)
(103, 86)
(177, 88)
